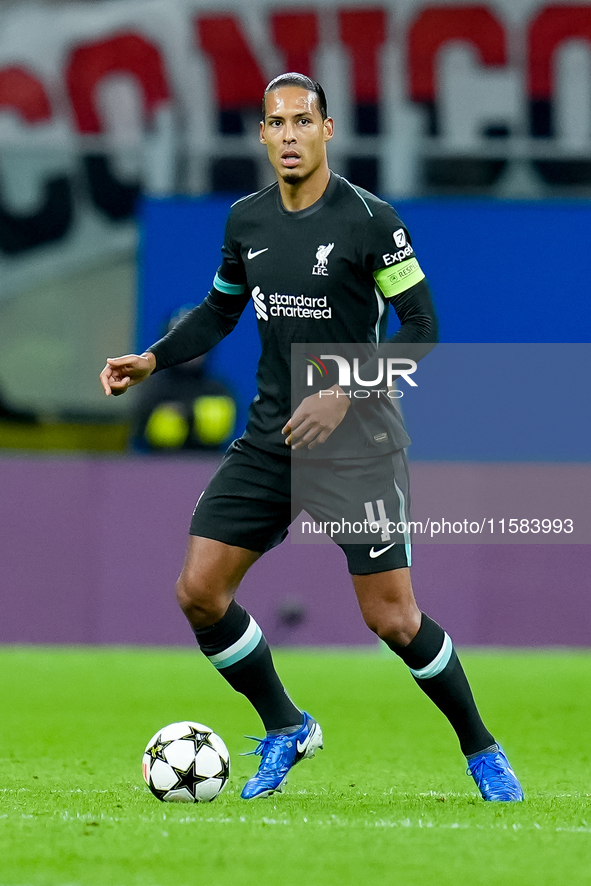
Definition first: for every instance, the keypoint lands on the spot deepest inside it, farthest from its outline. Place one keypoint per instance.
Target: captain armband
(393, 281)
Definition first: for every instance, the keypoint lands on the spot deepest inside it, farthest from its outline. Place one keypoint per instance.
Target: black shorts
(363, 504)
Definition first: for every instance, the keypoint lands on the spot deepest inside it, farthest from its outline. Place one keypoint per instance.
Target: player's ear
(262, 138)
(328, 129)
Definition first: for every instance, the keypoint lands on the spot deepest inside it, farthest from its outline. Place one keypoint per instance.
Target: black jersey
(323, 274)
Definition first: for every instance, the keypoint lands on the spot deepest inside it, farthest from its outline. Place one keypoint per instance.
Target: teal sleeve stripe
(439, 662)
(227, 288)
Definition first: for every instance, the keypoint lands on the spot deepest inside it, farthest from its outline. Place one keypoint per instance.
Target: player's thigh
(247, 503)
(370, 499)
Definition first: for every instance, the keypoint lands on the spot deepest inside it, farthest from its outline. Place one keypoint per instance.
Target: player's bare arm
(122, 373)
(316, 418)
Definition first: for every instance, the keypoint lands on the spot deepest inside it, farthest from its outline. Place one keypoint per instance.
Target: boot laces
(269, 748)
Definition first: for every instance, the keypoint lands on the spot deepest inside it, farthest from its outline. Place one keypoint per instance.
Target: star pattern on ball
(224, 772)
(156, 752)
(194, 765)
(201, 739)
(188, 779)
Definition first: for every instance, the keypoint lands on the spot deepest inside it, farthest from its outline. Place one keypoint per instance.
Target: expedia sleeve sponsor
(390, 254)
(392, 258)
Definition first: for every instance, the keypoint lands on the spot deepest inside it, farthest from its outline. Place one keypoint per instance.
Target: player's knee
(184, 595)
(397, 626)
(201, 603)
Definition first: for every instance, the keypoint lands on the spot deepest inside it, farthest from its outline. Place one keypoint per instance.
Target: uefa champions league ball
(186, 763)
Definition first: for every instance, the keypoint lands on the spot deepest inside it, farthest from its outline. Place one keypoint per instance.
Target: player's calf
(434, 664)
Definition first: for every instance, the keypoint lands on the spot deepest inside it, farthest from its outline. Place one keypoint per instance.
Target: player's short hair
(294, 79)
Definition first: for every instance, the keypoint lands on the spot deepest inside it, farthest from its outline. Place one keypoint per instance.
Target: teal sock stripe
(438, 664)
(249, 641)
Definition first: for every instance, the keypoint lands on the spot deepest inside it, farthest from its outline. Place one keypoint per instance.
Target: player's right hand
(122, 373)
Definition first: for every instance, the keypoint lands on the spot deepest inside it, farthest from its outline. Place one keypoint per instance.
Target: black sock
(235, 645)
(433, 662)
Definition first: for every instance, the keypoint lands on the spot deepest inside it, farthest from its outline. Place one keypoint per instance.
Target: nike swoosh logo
(252, 254)
(303, 745)
(373, 553)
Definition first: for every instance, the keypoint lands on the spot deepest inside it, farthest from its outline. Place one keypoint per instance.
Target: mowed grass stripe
(386, 801)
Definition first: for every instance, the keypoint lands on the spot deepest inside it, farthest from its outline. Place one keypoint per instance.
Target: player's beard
(292, 178)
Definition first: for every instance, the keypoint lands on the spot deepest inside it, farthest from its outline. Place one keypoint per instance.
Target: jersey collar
(310, 210)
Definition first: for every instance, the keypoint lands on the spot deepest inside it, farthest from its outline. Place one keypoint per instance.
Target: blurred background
(127, 129)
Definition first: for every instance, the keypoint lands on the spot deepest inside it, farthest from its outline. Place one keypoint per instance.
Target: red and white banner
(99, 103)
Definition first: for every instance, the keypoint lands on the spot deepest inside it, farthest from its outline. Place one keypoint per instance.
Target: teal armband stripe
(393, 281)
(227, 288)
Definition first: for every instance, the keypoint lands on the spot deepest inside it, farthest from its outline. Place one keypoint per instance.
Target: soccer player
(348, 254)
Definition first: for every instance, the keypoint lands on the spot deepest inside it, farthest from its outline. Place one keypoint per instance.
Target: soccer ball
(186, 763)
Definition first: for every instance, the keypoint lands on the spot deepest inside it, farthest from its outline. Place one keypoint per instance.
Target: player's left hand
(316, 418)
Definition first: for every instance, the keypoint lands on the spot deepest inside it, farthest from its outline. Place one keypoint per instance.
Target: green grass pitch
(386, 802)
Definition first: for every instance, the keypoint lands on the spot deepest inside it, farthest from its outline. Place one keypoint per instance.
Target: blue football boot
(494, 777)
(279, 753)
